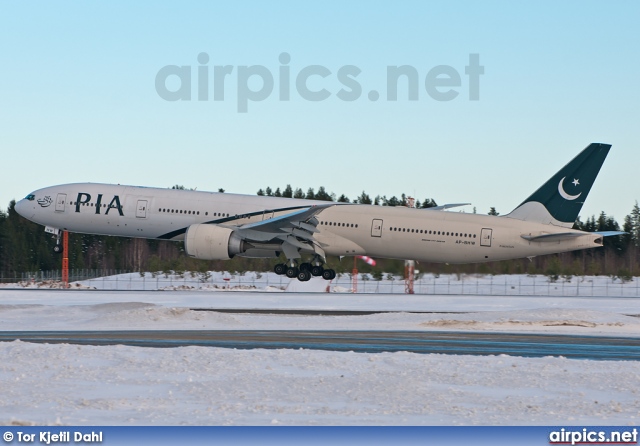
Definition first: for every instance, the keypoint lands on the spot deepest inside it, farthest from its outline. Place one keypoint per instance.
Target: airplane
(219, 226)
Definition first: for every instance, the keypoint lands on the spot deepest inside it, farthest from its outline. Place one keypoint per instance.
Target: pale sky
(79, 102)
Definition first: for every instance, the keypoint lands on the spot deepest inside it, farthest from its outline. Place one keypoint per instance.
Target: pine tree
(590, 225)
(428, 203)
(323, 195)
(288, 192)
(298, 193)
(3, 219)
(364, 198)
(261, 192)
(277, 193)
(343, 199)
(628, 228)
(310, 194)
(268, 191)
(492, 211)
(635, 225)
(393, 201)
(601, 224)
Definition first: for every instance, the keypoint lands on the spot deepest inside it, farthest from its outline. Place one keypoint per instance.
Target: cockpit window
(30, 197)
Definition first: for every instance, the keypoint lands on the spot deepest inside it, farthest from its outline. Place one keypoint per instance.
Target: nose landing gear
(57, 248)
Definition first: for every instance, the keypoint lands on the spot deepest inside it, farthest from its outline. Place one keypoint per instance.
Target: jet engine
(212, 242)
(215, 242)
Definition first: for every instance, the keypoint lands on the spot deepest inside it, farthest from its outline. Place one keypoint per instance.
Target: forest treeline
(25, 247)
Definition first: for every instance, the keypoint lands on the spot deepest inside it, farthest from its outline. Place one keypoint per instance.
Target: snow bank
(119, 385)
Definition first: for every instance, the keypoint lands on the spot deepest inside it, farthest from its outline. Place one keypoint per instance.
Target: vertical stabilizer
(559, 200)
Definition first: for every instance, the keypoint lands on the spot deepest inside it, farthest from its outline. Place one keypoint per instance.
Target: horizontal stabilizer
(553, 237)
(567, 235)
(609, 233)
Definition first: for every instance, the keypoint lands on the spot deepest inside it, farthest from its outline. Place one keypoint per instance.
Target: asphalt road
(467, 343)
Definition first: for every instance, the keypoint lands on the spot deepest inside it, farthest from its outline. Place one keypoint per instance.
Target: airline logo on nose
(46, 201)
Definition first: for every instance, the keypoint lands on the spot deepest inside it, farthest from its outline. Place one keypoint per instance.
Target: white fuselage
(377, 231)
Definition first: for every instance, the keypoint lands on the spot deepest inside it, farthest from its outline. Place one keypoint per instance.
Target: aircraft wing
(294, 231)
(446, 206)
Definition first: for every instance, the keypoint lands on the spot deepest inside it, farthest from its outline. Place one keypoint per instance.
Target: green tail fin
(559, 200)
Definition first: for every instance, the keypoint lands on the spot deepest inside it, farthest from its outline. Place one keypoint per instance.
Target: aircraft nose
(20, 207)
(25, 207)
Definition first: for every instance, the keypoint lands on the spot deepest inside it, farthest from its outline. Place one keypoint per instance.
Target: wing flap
(293, 231)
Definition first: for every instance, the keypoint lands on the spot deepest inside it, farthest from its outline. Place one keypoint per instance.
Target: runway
(468, 343)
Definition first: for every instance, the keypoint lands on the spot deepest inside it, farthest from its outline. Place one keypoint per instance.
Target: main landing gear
(304, 271)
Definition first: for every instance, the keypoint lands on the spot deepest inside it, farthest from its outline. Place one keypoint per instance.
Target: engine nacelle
(212, 242)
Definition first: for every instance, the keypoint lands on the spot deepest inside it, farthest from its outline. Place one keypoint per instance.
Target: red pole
(65, 258)
(354, 276)
(409, 276)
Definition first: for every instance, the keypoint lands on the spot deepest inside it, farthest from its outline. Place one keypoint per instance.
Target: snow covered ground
(118, 385)
(121, 385)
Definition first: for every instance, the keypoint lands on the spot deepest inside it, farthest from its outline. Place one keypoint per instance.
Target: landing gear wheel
(305, 267)
(292, 272)
(328, 274)
(57, 249)
(317, 270)
(304, 275)
(280, 269)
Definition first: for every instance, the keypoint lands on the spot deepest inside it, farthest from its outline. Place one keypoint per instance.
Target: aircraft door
(376, 228)
(141, 209)
(485, 237)
(60, 202)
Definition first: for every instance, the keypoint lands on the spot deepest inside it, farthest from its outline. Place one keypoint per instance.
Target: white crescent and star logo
(46, 201)
(565, 195)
